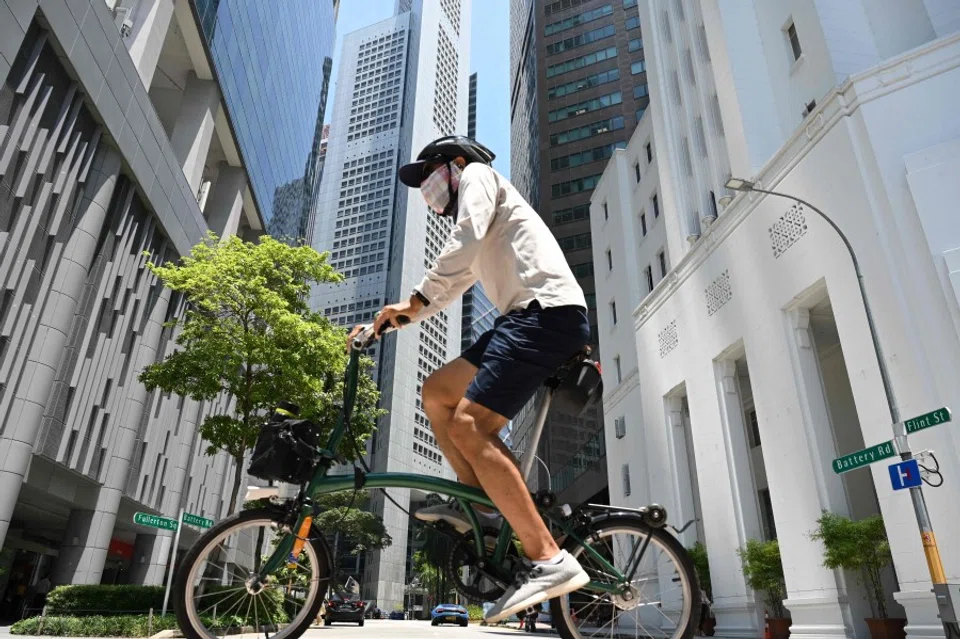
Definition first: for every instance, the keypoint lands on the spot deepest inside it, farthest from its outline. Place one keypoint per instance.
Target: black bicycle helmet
(444, 149)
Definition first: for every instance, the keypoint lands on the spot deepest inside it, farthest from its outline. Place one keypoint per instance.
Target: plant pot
(887, 628)
(708, 626)
(779, 628)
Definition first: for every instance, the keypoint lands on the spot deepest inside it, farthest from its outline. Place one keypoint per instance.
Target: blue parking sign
(906, 474)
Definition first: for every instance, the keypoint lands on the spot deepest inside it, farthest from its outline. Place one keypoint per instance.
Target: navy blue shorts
(521, 351)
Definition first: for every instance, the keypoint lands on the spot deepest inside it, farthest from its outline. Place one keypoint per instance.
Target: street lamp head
(738, 184)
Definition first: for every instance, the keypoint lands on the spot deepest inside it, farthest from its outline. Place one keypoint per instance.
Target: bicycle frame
(321, 483)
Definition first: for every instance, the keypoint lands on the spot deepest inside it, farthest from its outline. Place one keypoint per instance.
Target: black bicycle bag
(286, 450)
(579, 388)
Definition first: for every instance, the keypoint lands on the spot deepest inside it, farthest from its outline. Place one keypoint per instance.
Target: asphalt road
(416, 630)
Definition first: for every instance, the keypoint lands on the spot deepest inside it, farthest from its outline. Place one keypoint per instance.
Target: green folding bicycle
(265, 571)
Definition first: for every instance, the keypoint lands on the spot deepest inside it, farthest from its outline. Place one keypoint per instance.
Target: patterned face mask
(437, 187)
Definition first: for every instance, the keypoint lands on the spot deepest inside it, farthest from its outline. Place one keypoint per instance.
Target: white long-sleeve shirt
(502, 242)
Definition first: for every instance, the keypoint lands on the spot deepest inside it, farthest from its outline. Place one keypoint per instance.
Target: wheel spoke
(280, 607)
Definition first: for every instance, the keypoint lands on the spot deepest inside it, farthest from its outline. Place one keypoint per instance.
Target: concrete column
(735, 605)
(56, 317)
(225, 202)
(78, 562)
(85, 547)
(151, 552)
(193, 130)
(151, 24)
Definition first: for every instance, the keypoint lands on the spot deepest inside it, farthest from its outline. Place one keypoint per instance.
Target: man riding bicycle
(501, 241)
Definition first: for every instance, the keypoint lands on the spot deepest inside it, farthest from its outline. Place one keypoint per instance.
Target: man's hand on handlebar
(393, 316)
(389, 316)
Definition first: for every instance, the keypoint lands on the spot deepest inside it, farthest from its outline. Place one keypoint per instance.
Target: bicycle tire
(267, 513)
(682, 560)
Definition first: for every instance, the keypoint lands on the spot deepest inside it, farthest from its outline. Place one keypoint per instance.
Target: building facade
(112, 122)
(404, 82)
(578, 90)
(753, 367)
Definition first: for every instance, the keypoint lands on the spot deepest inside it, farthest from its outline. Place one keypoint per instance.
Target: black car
(341, 610)
(397, 614)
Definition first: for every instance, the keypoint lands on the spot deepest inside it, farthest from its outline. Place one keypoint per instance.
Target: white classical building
(750, 367)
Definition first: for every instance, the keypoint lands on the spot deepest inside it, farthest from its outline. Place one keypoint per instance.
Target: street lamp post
(935, 566)
(545, 468)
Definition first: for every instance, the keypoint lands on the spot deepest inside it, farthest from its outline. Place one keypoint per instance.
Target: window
(606, 211)
(574, 242)
(620, 427)
(794, 40)
(582, 39)
(583, 83)
(609, 260)
(713, 204)
(629, 3)
(586, 157)
(569, 23)
(580, 108)
(575, 186)
(582, 270)
(613, 312)
(616, 365)
(643, 224)
(640, 113)
(640, 66)
(656, 206)
(663, 264)
(636, 170)
(808, 109)
(766, 514)
(649, 153)
(648, 273)
(565, 216)
(625, 472)
(590, 130)
(635, 45)
(632, 23)
(591, 302)
(640, 91)
(754, 425)
(582, 61)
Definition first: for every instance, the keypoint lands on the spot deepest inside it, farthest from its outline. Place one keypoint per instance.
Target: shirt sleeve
(452, 274)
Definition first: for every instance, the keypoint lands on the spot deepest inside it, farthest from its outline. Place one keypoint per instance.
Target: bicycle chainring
(463, 572)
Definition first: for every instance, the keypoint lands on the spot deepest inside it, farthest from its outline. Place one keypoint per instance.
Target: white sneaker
(452, 515)
(536, 583)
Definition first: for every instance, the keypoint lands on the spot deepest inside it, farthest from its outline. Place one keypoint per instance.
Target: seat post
(526, 464)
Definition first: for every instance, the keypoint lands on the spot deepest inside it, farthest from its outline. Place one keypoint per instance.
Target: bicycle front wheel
(661, 601)
(214, 594)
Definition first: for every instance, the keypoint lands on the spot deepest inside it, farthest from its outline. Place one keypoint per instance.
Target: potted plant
(698, 554)
(764, 573)
(862, 546)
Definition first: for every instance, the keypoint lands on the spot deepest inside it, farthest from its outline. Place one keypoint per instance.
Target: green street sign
(155, 521)
(864, 457)
(937, 417)
(197, 520)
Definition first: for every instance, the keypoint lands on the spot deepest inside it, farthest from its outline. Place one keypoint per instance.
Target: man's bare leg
(441, 394)
(475, 433)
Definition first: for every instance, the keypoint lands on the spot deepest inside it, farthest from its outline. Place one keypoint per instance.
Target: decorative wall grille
(788, 228)
(668, 338)
(718, 293)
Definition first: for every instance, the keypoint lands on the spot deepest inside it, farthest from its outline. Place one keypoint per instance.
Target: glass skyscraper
(274, 61)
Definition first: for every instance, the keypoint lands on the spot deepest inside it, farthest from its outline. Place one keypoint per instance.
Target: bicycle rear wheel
(663, 598)
(214, 594)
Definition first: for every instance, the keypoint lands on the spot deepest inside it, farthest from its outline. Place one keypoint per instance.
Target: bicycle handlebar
(366, 337)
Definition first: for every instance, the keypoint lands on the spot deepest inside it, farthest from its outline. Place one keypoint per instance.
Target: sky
(489, 58)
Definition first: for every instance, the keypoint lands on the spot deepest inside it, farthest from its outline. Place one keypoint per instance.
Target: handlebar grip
(402, 320)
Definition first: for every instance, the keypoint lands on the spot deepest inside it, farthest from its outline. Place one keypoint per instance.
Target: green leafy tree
(341, 518)
(861, 546)
(764, 572)
(248, 333)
